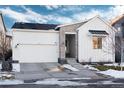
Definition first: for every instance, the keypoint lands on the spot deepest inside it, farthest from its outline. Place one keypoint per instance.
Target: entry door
(70, 44)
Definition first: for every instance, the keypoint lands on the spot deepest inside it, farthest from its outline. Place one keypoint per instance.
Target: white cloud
(28, 16)
(108, 14)
(32, 16)
(72, 8)
(51, 7)
(62, 19)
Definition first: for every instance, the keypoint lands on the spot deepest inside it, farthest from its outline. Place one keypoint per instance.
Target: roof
(98, 32)
(115, 20)
(3, 22)
(83, 22)
(20, 25)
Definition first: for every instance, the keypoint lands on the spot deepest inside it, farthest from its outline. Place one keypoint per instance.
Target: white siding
(35, 46)
(86, 53)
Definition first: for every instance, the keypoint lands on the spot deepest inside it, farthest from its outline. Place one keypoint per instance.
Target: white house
(88, 41)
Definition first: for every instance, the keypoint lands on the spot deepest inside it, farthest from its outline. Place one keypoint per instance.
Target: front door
(70, 46)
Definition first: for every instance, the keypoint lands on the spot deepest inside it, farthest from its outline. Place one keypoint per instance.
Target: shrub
(103, 68)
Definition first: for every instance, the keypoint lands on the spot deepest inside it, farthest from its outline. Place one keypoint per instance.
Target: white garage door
(38, 53)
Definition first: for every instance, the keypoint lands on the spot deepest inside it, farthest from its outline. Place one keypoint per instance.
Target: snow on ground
(90, 67)
(114, 64)
(60, 83)
(70, 67)
(113, 73)
(0, 66)
(10, 82)
(16, 67)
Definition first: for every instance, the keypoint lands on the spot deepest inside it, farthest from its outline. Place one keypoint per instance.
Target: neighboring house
(4, 38)
(118, 23)
(88, 41)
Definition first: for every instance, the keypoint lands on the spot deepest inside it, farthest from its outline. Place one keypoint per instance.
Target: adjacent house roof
(98, 32)
(115, 20)
(3, 22)
(20, 25)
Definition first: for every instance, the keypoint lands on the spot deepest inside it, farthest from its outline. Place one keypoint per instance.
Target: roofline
(3, 21)
(113, 23)
(33, 30)
(76, 22)
(107, 23)
(68, 24)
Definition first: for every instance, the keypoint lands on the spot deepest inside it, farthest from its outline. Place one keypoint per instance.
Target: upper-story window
(97, 42)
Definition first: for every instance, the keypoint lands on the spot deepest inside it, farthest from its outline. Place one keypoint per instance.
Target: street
(84, 83)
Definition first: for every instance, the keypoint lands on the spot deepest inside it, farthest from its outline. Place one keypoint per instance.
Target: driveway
(39, 71)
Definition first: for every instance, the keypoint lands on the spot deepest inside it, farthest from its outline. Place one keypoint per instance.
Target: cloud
(32, 16)
(27, 16)
(51, 7)
(108, 14)
(71, 8)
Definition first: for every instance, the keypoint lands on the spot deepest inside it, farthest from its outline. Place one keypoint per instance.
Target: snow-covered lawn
(90, 67)
(10, 82)
(114, 64)
(113, 73)
(60, 83)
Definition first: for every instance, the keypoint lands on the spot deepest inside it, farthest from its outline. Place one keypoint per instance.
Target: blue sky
(54, 14)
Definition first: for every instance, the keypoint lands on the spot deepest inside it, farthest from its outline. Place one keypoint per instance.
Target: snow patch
(70, 67)
(0, 66)
(90, 67)
(112, 64)
(16, 67)
(10, 82)
(113, 73)
(60, 83)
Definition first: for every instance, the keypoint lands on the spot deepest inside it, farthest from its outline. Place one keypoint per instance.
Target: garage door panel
(39, 53)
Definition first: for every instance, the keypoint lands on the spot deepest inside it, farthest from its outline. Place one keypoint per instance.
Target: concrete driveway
(40, 71)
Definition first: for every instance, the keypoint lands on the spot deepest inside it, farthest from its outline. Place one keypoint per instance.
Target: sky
(57, 14)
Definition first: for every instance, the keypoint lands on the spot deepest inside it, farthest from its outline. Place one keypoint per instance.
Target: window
(97, 43)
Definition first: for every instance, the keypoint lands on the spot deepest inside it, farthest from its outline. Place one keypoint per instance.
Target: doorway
(70, 46)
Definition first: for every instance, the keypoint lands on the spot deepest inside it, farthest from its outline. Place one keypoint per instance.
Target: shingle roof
(98, 32)
(20, 25)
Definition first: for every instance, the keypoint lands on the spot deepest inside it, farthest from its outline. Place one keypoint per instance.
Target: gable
(97, 23)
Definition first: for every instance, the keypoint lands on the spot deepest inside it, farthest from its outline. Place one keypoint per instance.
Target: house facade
(88, 41)
(118, 23)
